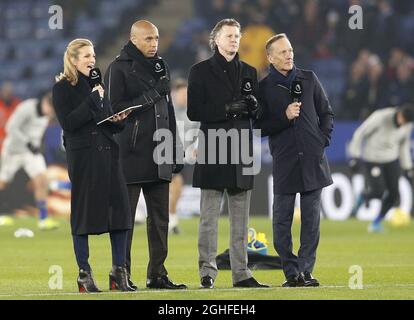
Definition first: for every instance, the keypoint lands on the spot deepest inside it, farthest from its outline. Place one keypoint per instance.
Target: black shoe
(306, 279)
(250, 283)
(130, 283)
(86, 282)
(291, 282)
(164, 283)
(118, 279)
(207, 282)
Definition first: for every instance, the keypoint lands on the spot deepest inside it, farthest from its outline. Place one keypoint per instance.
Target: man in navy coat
(298, 134)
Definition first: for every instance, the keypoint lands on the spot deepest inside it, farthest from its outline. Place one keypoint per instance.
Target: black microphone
(247, 87)
(161, 71)
(159, 68)
(296, 92)
(95, 77)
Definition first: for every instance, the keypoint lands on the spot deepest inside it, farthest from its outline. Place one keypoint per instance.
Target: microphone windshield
(95, 77)
(296, 90)
(159, 68)
(247, 87)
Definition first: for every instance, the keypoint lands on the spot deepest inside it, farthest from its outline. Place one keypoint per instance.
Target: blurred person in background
(99, 202)
(255, 35)
(380, 147)
(22, 149)
(355, 92)
(375, 95)
(138, 76)
(8, 103)
(401, 88)
(184, 125)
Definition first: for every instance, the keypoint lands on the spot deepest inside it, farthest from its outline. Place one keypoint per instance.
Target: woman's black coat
(297, 147)
(99, 195)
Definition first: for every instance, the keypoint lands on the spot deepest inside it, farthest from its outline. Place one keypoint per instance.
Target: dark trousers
(156, 198)
(381, 182)
(118, 245)
(283, 208)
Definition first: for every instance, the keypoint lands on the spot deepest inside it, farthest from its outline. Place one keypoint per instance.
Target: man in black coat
(139, 77)
(298, 133)
(221, 96)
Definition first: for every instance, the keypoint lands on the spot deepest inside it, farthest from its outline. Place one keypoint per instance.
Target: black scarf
(279, 78)
(148, 63)
(231, 67)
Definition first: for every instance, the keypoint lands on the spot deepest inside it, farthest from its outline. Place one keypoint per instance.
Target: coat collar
(300, 74)
(219, 72)
(139, 65)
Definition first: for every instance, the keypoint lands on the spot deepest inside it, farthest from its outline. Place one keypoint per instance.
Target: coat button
(100, 148)
(158, 116)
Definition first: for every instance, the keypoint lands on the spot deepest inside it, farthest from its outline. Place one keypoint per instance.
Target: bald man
(138, 76)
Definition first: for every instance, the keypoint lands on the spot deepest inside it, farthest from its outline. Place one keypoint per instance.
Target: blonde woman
(99, 197)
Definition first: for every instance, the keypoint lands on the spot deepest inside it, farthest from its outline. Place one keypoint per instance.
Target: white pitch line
(196, 290)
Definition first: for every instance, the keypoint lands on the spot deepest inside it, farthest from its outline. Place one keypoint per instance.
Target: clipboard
(122, 111)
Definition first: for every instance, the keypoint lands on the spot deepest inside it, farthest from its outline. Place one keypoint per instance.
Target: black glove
(32, 148)
(354, 165)
(237, 109)
(252, 105)
(163, 86)
(177, 167)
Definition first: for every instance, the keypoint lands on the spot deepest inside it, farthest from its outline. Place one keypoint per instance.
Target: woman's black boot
(118, 279)
(86, 282)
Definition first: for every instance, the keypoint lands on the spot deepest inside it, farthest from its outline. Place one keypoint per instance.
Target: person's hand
(293, 110)
(237, 109)
(100, 89)
(33, 149)
(354, 165)
(163, 86)
(252, 105)
(409, 174)
(120, 116)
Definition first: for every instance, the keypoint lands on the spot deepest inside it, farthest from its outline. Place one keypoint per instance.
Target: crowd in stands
(31, 51)
(361, 70)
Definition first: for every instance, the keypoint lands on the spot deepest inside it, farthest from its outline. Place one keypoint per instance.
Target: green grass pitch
(387, 262)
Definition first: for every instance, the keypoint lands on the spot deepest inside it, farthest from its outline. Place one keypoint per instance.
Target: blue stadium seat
(32, 49)
(17, 10)
(16, 29)
(40, 9)
(10, 71)
(48, 67)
